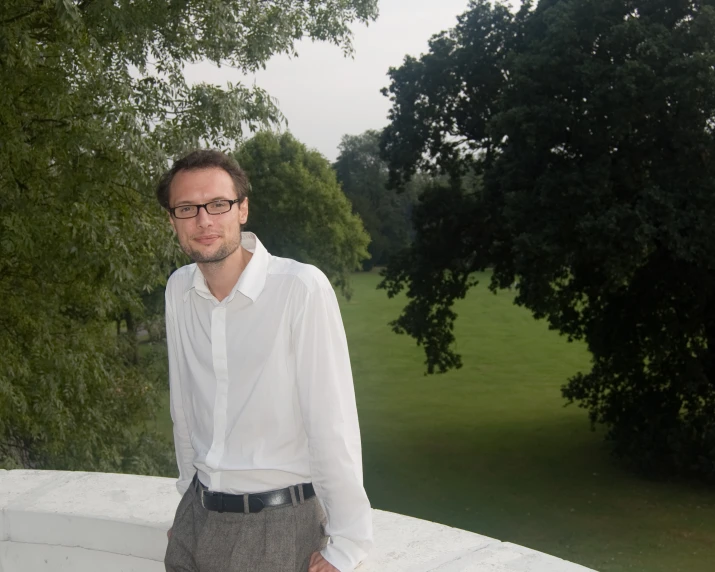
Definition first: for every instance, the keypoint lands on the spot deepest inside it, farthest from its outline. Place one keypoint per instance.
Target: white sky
(325, 95)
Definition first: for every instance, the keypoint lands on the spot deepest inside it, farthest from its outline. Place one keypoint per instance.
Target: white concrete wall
(65, 521)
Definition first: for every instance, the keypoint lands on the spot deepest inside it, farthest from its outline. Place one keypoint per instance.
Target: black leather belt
(255, 502)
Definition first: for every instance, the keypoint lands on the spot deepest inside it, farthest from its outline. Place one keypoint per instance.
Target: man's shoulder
(180, 281)
(309, 276)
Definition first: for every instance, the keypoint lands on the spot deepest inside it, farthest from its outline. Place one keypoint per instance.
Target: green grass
(492, 449)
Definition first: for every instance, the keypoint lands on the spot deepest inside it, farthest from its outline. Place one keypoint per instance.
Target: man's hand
(320, 564)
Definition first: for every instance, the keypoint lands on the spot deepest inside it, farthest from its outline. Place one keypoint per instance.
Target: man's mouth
(207, 238)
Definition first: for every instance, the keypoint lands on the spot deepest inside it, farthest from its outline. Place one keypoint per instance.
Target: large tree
(363, 175)
(591, 124)
(298, 209)
(93, 104)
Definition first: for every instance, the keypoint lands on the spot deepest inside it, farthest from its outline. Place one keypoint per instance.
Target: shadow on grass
(549, 485)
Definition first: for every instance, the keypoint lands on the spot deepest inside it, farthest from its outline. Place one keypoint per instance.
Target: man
(265, 423)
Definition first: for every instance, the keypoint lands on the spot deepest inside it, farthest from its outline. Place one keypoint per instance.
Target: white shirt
(262, 393)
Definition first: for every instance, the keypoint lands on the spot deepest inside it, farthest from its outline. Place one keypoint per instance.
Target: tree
(298, 209)
(363, 175)
(592, 126)
(93, 104)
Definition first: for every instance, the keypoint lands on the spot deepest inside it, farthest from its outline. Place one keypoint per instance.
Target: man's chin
(207, 257)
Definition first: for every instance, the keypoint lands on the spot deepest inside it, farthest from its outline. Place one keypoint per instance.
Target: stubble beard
(218, 257)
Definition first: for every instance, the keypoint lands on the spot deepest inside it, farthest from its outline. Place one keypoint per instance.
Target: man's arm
(182, 440)
(327, 402)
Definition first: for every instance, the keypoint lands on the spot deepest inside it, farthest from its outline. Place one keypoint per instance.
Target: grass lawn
(492, 449)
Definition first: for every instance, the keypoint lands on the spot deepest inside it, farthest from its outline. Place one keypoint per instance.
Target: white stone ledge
(64, 521)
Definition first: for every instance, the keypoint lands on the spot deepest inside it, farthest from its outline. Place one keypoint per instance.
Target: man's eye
(186, 209)
(219, 204)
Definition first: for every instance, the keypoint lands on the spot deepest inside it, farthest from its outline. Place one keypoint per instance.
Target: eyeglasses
(213, 208)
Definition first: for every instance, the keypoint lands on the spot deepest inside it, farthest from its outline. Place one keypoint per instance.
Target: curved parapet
(69, 521)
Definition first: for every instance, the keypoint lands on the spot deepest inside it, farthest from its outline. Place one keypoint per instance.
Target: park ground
(492, 448)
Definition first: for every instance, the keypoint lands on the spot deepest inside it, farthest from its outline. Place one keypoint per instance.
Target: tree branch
(13, 19)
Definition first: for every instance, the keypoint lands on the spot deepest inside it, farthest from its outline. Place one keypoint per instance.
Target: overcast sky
(325, 95)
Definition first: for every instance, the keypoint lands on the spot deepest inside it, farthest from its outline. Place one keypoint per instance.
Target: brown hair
(203, 159)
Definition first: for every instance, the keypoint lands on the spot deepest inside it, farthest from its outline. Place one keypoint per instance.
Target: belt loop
(292, 496)
(246, 507)
(300, 492)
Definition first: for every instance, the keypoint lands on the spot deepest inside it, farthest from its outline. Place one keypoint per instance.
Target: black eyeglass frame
(231, 202)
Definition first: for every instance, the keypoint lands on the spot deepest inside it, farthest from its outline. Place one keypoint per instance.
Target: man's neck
(222, 276)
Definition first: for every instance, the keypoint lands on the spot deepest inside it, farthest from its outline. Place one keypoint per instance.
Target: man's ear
(172, 222)
(243, 211)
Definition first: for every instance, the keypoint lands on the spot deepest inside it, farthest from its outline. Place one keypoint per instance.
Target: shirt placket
(220, 365)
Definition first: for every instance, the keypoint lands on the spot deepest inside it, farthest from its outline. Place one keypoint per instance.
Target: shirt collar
(252, 279)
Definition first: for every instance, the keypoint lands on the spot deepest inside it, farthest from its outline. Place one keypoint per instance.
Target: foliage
(363, 175)
(592, 125)
(297, 208)
(93, 103)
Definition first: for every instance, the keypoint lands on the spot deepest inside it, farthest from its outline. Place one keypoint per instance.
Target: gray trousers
(274, 540)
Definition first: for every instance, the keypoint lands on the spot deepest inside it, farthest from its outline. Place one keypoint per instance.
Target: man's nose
(204, 219)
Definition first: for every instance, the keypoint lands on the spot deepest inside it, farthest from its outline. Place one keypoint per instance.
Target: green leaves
(590, 125)
(298, 209)
(67, 12)
(93, 106)
(386, 214)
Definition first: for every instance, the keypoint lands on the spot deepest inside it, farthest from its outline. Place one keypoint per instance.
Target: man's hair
(203, 159)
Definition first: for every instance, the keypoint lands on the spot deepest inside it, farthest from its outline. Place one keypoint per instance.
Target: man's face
(207, 238)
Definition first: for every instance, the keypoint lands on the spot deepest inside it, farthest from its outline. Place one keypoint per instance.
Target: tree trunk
(132, 336)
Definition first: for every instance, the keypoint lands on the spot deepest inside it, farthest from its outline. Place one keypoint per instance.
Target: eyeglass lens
(190, 211)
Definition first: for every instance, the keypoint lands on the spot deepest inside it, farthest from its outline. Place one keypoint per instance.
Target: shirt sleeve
(182, 440)
(327, 401)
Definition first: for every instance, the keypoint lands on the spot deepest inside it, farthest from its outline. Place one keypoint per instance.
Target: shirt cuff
(341, 556)
(182, 486)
